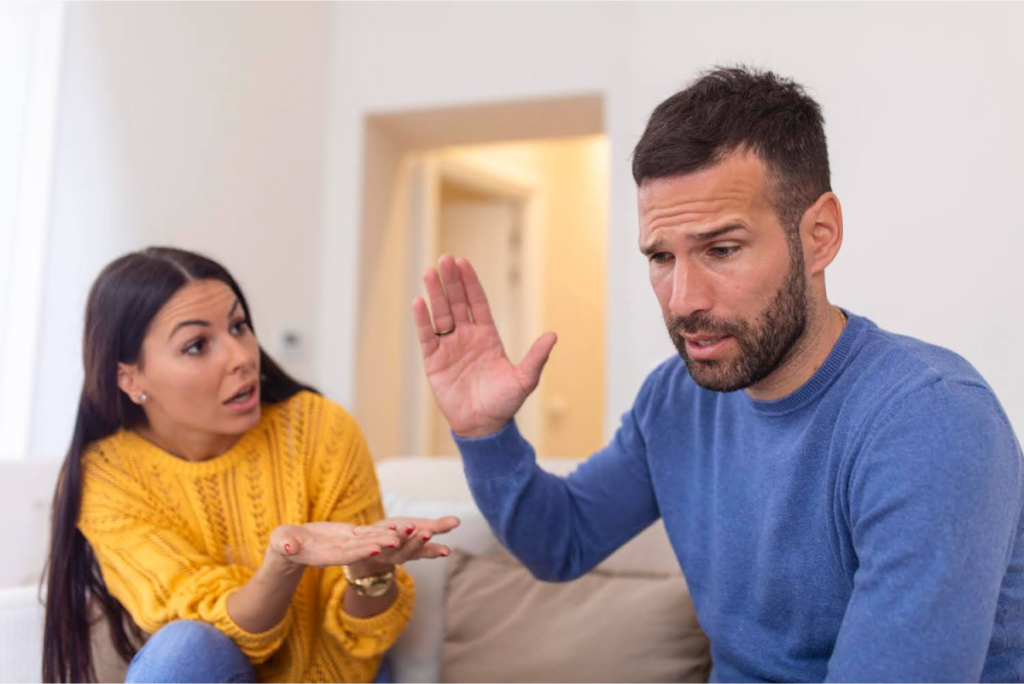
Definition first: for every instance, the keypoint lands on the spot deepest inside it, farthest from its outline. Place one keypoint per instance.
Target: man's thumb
(533, 362)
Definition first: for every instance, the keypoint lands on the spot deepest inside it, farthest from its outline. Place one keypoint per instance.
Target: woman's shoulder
(107, 465)
(106, 452)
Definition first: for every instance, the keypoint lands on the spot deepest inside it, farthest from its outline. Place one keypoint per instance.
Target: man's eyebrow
(652, 247)
(717, 232)
(658, 245)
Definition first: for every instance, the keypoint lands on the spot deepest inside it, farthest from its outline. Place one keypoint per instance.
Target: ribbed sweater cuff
(367, 637)
(496, 455)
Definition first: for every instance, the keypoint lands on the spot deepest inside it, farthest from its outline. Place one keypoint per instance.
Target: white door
(486, 230)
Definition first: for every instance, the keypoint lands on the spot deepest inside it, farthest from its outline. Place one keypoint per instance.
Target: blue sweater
(867, 527)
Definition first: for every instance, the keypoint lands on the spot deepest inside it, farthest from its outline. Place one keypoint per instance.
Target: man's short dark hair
(730, 109)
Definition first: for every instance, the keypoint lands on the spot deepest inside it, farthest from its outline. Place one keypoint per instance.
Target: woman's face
(199, 369)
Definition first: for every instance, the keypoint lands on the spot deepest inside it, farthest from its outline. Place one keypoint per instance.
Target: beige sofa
(479, 616)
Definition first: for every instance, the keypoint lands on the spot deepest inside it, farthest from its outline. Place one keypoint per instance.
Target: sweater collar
(822, 378)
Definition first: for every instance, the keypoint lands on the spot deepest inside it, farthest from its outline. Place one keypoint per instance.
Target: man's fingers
(475, 295)
(454, 289)
(429, 342)
(443, 319)
(533, 363)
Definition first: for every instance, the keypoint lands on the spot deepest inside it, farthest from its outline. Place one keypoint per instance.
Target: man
(855, 513)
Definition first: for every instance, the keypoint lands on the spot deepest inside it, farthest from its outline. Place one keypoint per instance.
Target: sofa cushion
(502, 625)
(416, 656)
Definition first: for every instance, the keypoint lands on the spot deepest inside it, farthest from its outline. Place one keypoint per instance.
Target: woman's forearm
(263, 601)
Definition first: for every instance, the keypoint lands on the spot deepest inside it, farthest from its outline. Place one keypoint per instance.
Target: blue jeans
(190, 651)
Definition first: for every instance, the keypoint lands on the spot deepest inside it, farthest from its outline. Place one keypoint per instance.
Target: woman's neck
(185, 444)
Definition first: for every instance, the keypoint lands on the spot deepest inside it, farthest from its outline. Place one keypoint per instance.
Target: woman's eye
(196, 348)
(238, 327)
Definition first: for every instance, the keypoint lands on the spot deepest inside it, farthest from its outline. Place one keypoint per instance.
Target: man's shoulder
(887, 367)
(892, 379)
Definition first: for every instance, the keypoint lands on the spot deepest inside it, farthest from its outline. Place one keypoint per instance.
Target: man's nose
(690, 292)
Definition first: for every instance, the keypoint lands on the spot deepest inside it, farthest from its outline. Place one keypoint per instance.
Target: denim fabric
(190, 651)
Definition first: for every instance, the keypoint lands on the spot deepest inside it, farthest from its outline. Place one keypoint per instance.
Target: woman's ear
(128, 381)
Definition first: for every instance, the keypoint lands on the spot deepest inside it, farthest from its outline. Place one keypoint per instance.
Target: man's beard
(762, 347)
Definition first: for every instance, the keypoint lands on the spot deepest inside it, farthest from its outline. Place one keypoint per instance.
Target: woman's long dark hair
(126, 296)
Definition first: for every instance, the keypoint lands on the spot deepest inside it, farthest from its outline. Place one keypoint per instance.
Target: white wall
(922, 103)
(195, 125)
(210, 126)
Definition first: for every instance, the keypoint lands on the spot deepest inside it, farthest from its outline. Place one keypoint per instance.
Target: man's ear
(128, 381)
(822, 233)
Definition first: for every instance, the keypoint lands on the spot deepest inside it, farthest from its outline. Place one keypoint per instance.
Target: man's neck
(823, 331)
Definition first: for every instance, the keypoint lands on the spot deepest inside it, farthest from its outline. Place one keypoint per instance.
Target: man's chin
(713, 375)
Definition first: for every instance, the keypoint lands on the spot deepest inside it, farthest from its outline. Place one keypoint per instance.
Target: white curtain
(30, 49)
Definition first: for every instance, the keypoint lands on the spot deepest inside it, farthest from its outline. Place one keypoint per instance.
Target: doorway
(531, 215)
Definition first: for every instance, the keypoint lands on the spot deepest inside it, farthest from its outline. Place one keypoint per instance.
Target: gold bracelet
(371, 585)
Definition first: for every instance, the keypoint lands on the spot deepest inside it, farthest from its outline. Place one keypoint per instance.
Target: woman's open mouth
(245, 399)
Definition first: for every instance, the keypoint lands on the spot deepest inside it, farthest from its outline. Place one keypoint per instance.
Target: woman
(214, 502)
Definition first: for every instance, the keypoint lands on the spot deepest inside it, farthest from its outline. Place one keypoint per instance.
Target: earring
(143, 397)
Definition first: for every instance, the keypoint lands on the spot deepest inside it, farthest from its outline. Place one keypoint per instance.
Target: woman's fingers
(433, 551)
(406, 526)
(412, 547)
(391, 541)
(445, 524)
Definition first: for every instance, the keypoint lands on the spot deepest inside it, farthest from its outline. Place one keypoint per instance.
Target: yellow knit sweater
(175, 538)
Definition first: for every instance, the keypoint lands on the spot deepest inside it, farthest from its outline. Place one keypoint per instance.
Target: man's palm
(476, 386)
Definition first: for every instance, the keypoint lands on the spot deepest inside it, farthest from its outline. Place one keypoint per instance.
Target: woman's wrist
(276, 565)
(369, 567)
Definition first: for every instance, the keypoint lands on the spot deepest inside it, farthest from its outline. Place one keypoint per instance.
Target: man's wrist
(482, 431)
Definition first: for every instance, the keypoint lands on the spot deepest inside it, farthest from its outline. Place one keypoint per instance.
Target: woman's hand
(326, 544)
(415, 535)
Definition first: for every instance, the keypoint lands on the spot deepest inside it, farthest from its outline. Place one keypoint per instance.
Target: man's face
(732, 291)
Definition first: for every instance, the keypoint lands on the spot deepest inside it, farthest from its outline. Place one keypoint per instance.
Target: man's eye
(661, 257)
(723, 252)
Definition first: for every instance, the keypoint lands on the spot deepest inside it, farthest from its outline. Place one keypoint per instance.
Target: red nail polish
(392, 546)
(288, 549)
(409, 530)
(375, 553)
(426, 537)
